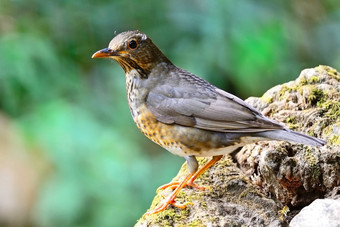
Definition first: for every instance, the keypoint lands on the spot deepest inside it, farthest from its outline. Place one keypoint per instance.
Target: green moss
(334, 139)
(331, 109)
(316, 96)
(310, 157)
(328, 130)
(195, 223)
(315, 171)
(291, 122)
(198, 196)
(283, 212)
(313, 79)
(202, 161)
(169, 214)
(286, 90)
(168, 217)
(330, 71)
(312, 161)
(297, 87)
(212, 219)
(303, 81)
(267, 98)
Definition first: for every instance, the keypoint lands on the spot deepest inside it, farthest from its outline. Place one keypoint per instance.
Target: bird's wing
(206, 107)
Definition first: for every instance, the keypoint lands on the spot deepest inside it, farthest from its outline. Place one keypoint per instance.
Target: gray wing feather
(210, 109)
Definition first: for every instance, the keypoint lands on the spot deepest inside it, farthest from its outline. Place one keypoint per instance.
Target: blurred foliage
(73, 108)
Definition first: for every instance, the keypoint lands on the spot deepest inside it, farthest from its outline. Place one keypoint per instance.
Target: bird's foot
(190, 183)
(164, 204)
(171, 198)
(177, 186)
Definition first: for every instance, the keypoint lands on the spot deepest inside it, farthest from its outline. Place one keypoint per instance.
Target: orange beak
(104, 53)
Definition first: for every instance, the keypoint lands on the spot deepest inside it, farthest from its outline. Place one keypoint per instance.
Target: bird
(184, 113)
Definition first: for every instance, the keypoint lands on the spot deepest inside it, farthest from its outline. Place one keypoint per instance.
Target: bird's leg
(192, 166)
(202, 170)
(171, 199)
(188, 181)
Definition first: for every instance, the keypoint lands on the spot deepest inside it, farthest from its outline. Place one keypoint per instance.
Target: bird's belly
(206, 153)
(184, 141)
(222, 150)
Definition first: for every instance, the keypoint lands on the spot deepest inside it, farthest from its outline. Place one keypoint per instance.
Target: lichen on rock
(233, 200)
(310, 104)
(270, 174)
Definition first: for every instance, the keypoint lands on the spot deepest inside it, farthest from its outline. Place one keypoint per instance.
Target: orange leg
(188, 181)
(202, 170)
(171, 198)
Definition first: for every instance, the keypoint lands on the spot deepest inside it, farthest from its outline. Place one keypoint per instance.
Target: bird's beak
(104, 53)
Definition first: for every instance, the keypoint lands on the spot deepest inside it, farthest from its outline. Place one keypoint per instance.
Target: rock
(293, 173)
(271, 174)
(321, 212)
(233, 200)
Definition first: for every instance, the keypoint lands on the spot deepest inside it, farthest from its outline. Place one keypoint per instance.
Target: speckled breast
(182, 140)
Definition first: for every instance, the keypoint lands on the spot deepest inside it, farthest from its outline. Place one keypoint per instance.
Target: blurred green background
(70, 154)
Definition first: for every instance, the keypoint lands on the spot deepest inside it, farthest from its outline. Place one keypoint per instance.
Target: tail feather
(292, 136)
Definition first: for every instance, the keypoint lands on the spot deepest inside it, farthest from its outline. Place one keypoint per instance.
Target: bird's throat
(136, 93)
(128, 65)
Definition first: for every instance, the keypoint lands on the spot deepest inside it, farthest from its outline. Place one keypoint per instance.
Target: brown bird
(185, 114)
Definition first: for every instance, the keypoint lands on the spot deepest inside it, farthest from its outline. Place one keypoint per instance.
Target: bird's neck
(138, 87)
(136, 93)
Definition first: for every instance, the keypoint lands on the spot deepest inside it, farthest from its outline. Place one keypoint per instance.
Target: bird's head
(133, 50)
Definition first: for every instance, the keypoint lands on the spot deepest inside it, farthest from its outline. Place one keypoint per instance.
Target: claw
(182, 206)
(173, 185)
(188, 181)
(171, 198)
(165, 204)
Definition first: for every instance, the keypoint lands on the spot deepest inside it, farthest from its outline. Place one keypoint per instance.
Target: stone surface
(293, 173)
(232, 201)
(269, 175)
(321, 212)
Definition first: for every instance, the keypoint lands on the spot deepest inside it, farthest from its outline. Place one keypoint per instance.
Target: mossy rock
(269, 175)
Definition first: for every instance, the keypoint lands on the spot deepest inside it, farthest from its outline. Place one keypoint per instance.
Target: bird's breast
(182, 140)
(168, 136)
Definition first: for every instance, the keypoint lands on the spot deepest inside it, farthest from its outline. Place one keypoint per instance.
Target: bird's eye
(133, 44)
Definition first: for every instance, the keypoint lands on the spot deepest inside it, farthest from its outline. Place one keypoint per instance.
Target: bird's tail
(292, 136)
